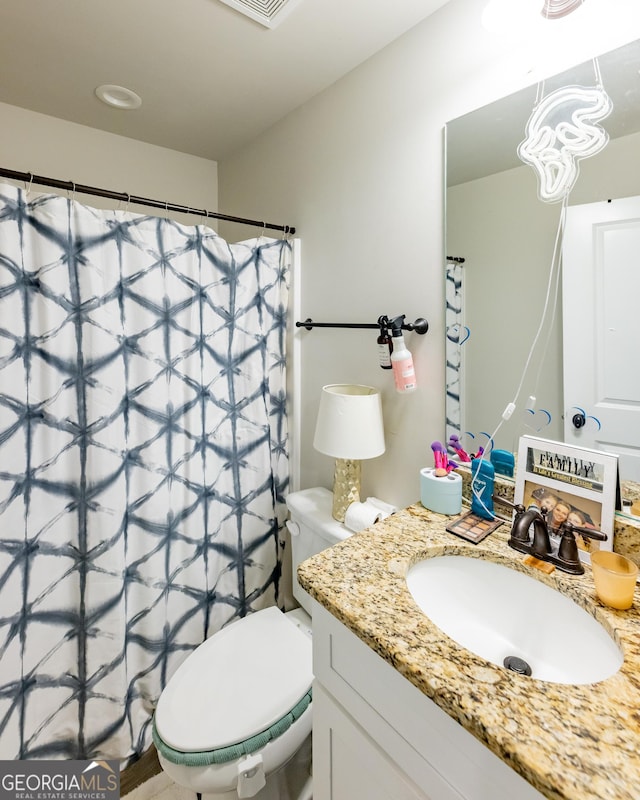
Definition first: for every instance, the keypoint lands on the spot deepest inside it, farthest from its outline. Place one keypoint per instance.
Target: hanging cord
(596, 70)
(557, 257)
(510, 408)
(554, 259)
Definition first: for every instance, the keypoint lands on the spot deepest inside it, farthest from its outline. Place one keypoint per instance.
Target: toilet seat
(239, 689)
(224, 755)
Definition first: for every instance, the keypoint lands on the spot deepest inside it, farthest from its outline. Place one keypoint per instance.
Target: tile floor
(292, 783)
(159, 787)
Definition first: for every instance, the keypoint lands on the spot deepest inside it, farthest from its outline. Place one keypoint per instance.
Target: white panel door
(348, 765)
(601, 328)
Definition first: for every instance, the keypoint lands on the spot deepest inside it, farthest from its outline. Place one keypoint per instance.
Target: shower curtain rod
(70, 186)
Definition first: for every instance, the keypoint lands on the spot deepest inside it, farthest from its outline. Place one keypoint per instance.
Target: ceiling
(210, 78)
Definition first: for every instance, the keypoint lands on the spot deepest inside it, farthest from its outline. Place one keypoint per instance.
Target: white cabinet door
(601, 328)
(375, 736)
(347, 765)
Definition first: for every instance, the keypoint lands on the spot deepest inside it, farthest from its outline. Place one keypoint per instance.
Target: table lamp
(349, 428)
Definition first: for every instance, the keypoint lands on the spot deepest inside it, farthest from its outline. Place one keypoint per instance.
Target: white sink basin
(497, 613)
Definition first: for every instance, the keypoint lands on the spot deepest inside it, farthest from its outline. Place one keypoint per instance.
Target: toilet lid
(236, 684)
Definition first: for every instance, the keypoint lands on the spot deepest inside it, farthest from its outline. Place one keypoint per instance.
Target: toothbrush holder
(441, 494)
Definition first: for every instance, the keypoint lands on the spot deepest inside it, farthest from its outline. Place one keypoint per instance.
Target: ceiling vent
(267, 12)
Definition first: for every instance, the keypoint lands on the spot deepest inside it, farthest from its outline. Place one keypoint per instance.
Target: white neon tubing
(560, 132)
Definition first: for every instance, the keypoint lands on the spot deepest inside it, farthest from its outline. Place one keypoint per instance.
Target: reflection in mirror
(507, 238)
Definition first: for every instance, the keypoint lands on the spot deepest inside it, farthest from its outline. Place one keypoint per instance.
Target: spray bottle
(401, 359)
(384, 344)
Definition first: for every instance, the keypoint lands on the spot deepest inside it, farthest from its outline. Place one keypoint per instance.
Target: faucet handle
(568, 549)
(504, 502)
(590, 533)
(519, 537)
(519, 533)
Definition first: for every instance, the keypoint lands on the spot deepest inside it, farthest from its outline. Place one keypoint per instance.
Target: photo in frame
(574, 484)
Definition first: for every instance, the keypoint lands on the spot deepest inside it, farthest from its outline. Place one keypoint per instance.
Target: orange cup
(615, 578)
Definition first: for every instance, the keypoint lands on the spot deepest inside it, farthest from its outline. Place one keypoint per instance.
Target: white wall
(359, 171)
(51, 147)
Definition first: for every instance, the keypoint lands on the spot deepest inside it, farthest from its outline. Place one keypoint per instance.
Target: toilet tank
(312, 529)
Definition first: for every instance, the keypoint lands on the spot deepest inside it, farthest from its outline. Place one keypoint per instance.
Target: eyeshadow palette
(472, 527)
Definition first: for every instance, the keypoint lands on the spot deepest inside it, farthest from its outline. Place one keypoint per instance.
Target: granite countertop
(570, 742)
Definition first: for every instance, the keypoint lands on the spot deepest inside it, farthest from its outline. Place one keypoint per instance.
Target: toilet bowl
(238, 709)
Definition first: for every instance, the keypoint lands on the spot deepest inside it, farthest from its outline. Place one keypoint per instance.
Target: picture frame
(572, 483)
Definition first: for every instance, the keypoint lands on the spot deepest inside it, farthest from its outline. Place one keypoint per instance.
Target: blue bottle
(503, 462)
(482, 480)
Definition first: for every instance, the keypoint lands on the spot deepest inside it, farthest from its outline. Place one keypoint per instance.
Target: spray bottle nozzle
(396, 325)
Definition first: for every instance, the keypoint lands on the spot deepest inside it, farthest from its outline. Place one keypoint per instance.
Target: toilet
(238, 709)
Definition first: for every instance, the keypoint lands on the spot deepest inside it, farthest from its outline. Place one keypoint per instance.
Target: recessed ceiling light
(118, 96)
(507, 16)
(553, 9)
(269, 13)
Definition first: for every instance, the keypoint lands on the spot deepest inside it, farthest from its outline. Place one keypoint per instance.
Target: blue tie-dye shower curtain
(143, 461)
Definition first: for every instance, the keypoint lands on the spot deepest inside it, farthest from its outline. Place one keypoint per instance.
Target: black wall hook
(578, 420)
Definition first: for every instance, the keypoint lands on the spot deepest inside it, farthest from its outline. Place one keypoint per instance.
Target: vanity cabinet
(377, 737)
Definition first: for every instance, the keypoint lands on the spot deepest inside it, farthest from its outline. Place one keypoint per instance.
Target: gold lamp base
(346, 486)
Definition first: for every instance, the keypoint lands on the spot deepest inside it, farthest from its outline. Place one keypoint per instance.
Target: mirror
(506, 236)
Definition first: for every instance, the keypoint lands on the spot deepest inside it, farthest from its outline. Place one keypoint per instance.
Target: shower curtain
(143, 461)
(454, 321)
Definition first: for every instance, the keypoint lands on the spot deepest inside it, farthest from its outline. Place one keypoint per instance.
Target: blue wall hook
(539, 422)
(487, 448)
(454, 333)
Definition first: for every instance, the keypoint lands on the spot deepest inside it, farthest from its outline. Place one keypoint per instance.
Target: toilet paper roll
(386, 508)
(359, 516)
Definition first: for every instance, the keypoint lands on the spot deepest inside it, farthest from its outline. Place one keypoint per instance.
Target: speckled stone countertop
(570, 742)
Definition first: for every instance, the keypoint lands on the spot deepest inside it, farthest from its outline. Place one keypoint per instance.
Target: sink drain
(518, 665)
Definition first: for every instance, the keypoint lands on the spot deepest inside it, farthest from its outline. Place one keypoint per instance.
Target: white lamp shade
(349, 424)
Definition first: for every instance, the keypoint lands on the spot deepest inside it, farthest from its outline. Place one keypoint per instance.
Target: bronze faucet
(520, 538)
(565, 556)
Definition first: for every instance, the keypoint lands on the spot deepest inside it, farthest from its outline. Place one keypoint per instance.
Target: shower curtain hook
(27, 189)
